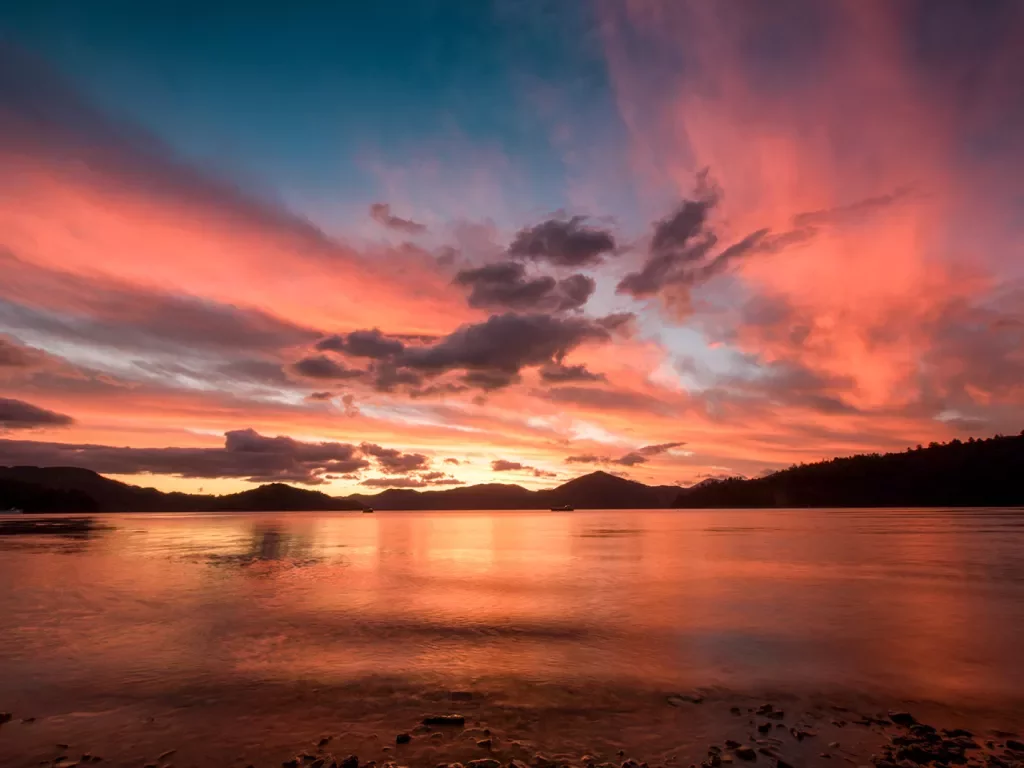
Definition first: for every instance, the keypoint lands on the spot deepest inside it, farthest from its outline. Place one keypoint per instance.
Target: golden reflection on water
(913, 604)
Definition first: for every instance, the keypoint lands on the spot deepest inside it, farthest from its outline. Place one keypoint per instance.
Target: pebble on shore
(912, 744)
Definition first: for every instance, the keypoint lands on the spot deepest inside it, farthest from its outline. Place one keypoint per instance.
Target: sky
(423, 244)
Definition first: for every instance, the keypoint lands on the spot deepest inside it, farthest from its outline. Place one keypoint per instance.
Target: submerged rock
(903, 718)
(1015, 745)
(350, 762)
(487, 762)
(403, 738)
(679, 699)
(746, 753)
(956, 733)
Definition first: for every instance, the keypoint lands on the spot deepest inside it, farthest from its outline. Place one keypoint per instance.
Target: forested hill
(983, 473)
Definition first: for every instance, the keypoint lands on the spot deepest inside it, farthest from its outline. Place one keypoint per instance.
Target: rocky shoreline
(766, 734)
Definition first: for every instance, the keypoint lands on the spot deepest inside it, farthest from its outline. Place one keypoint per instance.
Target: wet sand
(381, 722)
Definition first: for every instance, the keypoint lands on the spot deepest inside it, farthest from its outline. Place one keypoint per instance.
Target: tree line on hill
(975, 473)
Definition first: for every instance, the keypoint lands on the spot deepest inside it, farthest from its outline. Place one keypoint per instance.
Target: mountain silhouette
(33, 489)
(278, 497)
(958, 473)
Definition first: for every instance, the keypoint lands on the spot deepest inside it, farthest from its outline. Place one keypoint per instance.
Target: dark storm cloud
(558, 373)
(387, 377)
(441, 478)
(504, 465)
(17, 414)
(630, 459)
(576, 291)
(491, 354)
(440, 389)
(507, 342)
(563, 242)
(660, 448)
(414, 338)
(370, 343)
(586, 458)
(246, 455)
(675, 232)
(505, 285)
(322, 367)
(394, 461)
(489, 380)
(381, 213)
(679, 244)
(639, 456)
(682, 247)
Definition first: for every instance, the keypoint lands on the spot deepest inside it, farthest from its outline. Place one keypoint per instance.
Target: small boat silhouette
(13, 511)
(368, 511)
(564, 508)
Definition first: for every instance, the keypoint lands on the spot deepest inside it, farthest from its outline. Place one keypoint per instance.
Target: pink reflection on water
(902, 603)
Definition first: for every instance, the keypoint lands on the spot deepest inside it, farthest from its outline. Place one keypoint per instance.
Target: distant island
(959, 473)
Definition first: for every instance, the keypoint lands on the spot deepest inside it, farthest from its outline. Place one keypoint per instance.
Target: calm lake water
(908, 604)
